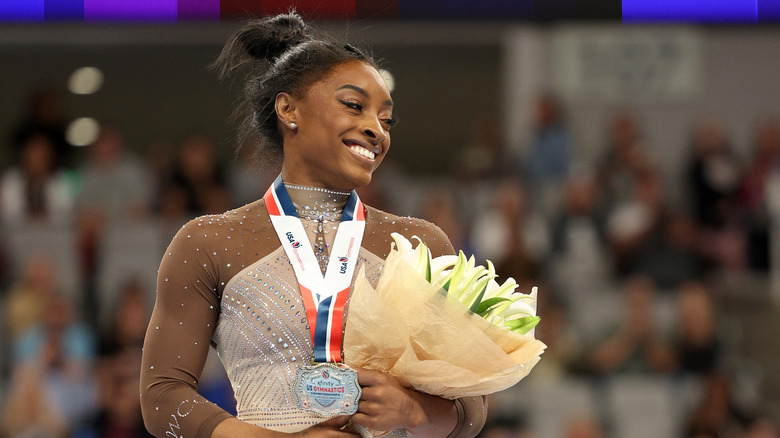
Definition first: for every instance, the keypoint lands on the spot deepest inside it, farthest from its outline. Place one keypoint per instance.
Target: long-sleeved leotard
(226, 281)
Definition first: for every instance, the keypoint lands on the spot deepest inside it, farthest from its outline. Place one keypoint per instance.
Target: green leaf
(428, 267)
(478, 300)
(488, 305)
(522, 325)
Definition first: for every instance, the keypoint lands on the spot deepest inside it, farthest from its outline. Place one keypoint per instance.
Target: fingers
(331, 428)
(369, 408)
(336, 422)
(324, 432)
(366, 421)
(368, 377)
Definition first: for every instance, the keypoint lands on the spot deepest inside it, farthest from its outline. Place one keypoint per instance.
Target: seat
(643, 407)
(553, 404)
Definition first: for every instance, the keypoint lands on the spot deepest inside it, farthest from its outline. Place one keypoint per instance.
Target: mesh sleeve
(178, 338)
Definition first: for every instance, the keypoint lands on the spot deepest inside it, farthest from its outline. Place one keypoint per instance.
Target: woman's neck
(316, 202)
(307, 179)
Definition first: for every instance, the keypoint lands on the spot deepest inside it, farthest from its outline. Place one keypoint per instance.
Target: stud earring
(293, 125)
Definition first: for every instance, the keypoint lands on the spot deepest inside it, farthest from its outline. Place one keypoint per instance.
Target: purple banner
(198, 9)
(130, 10)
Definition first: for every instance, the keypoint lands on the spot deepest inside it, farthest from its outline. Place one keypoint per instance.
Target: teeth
(364, 152)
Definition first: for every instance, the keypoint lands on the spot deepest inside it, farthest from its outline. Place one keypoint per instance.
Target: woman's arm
(178, 338)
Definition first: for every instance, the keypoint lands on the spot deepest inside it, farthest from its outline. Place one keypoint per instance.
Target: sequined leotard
(225, 280)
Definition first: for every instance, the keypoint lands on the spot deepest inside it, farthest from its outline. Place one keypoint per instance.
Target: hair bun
(271, 37)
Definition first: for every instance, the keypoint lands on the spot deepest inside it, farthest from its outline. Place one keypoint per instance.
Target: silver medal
(327, 390)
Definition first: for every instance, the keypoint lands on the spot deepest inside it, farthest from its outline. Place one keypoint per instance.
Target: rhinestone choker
(316, 189)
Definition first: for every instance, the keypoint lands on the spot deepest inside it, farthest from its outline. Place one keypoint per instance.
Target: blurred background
(629, 171)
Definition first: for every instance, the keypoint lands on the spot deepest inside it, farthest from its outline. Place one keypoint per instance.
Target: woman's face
(343, 129)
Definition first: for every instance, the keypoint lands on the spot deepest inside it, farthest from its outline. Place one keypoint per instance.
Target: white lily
(473, 285)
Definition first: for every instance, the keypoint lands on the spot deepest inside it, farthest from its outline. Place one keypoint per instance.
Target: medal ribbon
(324, 296)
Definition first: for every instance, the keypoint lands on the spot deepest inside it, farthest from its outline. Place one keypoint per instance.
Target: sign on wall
(625, 63)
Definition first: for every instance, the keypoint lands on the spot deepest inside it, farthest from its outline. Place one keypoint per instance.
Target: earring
(293, 125)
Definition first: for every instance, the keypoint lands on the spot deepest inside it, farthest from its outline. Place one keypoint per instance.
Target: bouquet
(442, 325)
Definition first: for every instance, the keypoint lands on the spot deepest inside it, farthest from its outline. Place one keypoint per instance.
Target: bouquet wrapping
(412, 328)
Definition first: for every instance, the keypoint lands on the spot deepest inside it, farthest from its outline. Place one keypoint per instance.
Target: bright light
(389, 79)
(82, 131)
(85, 80)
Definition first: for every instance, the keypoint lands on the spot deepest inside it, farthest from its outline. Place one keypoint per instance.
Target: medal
(325, 389)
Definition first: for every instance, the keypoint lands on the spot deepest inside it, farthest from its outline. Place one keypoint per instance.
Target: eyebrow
(388, 102)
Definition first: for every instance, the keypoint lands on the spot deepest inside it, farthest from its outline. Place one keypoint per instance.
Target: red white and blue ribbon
(324, 296)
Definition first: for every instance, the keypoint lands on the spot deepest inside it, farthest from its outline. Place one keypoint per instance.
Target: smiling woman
(342, 128)
(259, 282)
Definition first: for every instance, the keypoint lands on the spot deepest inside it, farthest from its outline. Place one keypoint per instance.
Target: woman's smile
(362, 150)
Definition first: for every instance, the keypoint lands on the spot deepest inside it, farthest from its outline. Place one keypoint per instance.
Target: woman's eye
(390, 122)
(353, 105)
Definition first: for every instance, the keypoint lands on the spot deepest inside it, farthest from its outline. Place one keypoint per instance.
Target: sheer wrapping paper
(409, 329)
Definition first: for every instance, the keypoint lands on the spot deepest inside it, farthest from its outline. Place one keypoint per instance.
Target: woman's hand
(386, 405)
(331, 428)
(233, 427)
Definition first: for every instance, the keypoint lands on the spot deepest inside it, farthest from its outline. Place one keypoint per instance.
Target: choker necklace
(316, 189)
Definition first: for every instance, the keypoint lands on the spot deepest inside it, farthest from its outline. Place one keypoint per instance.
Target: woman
(228, 278)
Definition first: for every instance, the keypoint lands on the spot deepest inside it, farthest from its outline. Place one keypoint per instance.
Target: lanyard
(324, 297)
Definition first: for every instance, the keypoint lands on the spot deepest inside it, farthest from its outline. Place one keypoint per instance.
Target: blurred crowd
(627, 297)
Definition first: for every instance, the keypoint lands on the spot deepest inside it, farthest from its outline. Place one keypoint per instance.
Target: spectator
(549, 157)
(583, 427)
(511, 235)
(579, 249)
(119, 369)
(127, 327)
(439, 207)
(54, 390)
(754, 193)
(116, 185)
(762, 428)
(630, 223)
(34, 190)
(697, 344)
(28, 297)
(200, 179)
(648, 238)
(635, 347)
(624, 162)
(714, 174)
(45, 116)
(481, 158)
(668, 254)
(564, 352)
(717, 415)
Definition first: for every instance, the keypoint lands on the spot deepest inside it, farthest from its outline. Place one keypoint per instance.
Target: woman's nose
(373, 130)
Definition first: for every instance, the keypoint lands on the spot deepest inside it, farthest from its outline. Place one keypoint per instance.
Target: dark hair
(282, 55)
